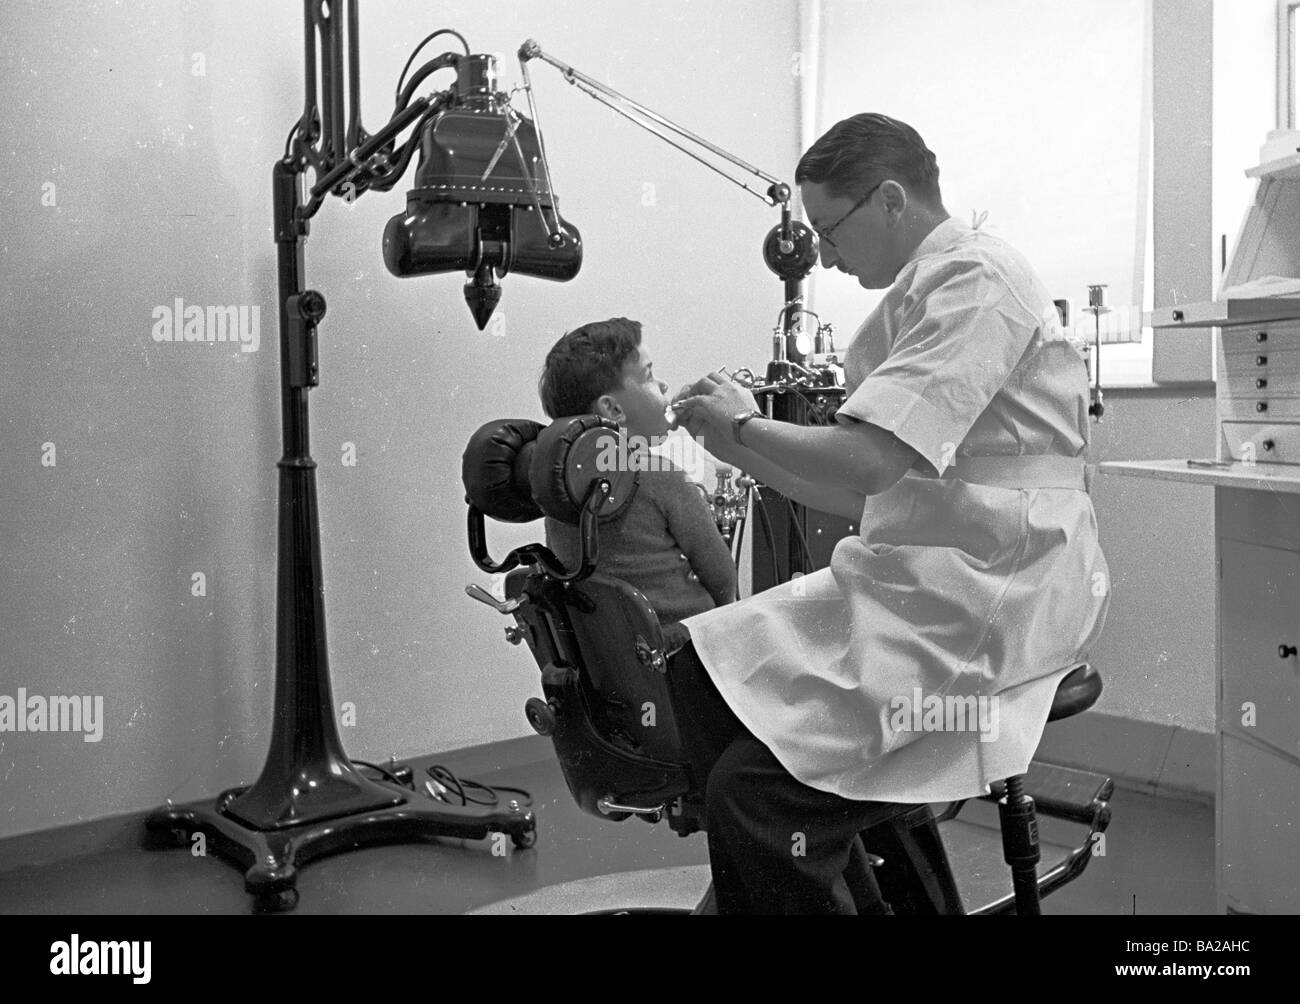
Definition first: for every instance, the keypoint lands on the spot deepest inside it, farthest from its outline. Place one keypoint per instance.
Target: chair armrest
(675, 637)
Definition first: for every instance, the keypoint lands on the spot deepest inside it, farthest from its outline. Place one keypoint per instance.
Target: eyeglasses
(826, 234)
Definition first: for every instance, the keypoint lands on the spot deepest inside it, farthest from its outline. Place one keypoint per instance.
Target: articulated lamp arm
(790, 250)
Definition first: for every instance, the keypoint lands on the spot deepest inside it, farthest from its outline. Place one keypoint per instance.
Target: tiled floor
(1159, 859)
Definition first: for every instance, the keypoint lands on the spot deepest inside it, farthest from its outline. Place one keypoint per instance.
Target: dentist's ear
(895, 196)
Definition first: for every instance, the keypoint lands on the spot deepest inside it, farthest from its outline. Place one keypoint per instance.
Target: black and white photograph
(702, 458)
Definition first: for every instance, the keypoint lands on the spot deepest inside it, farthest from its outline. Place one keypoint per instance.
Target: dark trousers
(775, 844)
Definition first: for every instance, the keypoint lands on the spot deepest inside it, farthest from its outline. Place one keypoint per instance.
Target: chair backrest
(595, 638)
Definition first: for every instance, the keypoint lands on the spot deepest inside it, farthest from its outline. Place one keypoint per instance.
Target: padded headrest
(571, 454)
(515, 470)
(495, 466)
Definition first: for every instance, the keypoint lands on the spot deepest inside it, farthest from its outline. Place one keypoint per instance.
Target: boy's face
(640, 403)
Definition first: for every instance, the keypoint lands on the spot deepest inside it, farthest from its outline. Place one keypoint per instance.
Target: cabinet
(1256, 480)
(1258, 813)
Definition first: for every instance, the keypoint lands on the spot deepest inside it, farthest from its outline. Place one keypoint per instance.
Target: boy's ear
(606, 407)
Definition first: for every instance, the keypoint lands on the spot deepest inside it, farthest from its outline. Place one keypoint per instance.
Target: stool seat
(1077, 692)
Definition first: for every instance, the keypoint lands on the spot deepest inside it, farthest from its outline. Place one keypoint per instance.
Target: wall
(1156, 654)
(1245, 99)
(1033, 109)
(157, 124)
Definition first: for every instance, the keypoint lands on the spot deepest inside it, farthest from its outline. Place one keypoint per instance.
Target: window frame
(1286, 63)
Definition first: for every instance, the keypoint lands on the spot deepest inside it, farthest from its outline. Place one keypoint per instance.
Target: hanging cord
(449, 786)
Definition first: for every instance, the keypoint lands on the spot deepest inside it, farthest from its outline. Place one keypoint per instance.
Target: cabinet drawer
(1264, 442)
(1258, 406)
(1258, 383)
(1261, 338)
(1259, 362)
(1259, 821)
(1259, 614)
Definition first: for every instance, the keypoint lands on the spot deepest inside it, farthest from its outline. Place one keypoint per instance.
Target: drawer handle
(1261, 336)
(1261, 360)
(1261, 406)
(1268, 446)
(1285, 651)
(1261, 383)
(1178, 315)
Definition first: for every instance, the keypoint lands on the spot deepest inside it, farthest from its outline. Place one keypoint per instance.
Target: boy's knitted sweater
(667, 532)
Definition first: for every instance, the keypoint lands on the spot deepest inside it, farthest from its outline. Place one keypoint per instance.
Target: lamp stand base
(271, 857)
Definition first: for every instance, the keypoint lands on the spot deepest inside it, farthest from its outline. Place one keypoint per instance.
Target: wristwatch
(739, 419)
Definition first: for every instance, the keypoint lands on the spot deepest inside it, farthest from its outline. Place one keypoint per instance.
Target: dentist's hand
(706, 406)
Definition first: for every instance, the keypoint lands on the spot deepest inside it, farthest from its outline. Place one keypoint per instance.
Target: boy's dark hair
(866, 149)
(586, 363)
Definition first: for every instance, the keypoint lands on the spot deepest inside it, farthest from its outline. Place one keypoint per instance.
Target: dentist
(977, 573)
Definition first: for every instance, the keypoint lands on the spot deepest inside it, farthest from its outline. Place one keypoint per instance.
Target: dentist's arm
(858, 457)
(839, 465)
(817, 495)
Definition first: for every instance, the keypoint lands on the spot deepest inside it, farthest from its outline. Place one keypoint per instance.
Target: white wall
(1244, 110)
(166, 452)
(1033, 108)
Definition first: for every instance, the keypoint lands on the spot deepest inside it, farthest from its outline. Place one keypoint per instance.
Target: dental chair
(605, 659)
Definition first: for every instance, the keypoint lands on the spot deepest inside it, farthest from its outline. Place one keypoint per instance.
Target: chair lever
(653, 812)
(483, 596)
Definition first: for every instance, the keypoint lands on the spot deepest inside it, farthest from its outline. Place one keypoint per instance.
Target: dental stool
(604, 660)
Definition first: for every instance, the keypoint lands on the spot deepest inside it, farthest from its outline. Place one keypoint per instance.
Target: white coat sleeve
(963, 332)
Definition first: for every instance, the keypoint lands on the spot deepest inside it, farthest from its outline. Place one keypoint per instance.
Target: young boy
(665, 543)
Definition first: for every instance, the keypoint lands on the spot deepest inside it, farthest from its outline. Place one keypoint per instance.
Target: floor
(1158, 859)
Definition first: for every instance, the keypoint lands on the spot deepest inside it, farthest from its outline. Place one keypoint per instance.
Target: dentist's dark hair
(864, 150)
(586, 363)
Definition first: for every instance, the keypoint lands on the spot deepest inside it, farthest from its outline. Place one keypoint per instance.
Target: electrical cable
(768, 536)
(446, 779)
(388, 775)
(450, 783)
(803, 541)
(738, 548)
(397, 168)
(446, 61)
(441, 31)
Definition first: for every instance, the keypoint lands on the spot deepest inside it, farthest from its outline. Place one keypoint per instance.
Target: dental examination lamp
(790, 248)
(482, 204)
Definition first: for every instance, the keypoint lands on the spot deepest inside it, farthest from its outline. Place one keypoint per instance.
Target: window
(1062, 166)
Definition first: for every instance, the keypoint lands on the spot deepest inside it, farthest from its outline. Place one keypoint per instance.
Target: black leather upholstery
(495, 470)
(1077, 692)
(569, 458)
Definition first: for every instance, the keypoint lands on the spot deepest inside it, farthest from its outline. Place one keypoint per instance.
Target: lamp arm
(379, 175)
(778, 192)
(350, 161)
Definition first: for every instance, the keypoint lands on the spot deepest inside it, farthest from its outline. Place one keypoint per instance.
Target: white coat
(920, 665)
